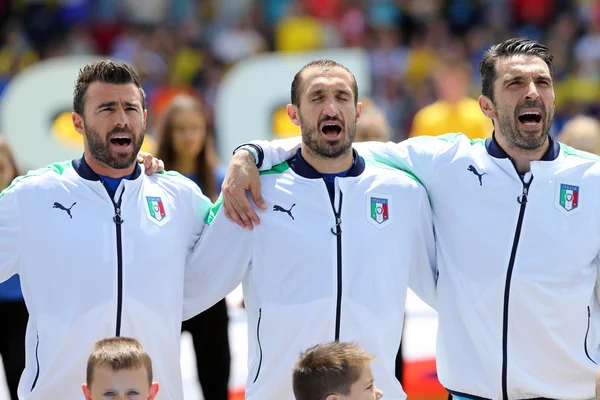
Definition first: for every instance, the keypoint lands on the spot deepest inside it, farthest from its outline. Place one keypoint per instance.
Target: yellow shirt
(298, 34)
(442, 117)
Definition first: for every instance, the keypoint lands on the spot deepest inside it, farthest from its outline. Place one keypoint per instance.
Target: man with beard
(333, 256)
(517, 228)
(100, 247)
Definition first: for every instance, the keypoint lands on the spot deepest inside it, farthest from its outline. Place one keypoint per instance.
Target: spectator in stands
(582, 133)
(12, 306)
(454, 111)
(186, 146)
(373, 124)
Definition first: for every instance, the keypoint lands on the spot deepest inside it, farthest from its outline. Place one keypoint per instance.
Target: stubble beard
(323, 148)
(99, 149)
(509, 127)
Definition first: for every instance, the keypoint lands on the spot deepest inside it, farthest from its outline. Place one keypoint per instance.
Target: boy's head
(119, 368)
(335, 371)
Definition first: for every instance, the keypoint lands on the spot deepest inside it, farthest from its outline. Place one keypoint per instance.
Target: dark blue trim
(83, 169)
(259, 150)
(299, 165)
(37, 362)
(259, 345)
(338, 234)
(522, 200)
(118, 220)
(587, 331)
(494, 149)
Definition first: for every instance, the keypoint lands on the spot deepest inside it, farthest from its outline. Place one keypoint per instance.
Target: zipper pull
(522, 199)
(338, 226)
(117, 218)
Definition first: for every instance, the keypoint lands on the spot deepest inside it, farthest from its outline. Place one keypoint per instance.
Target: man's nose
(532, 92)
(332, 109)
(121, 119)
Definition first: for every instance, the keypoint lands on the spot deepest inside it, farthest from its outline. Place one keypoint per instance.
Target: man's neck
(104, 170)
(522, 158)
(325, 165)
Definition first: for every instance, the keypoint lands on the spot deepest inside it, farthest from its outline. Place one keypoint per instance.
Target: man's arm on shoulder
(276, 151)
(416, 155)
(217, 263)
(423, 268)
(10, 234)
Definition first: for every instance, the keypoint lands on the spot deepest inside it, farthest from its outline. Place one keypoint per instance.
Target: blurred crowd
(188, 45)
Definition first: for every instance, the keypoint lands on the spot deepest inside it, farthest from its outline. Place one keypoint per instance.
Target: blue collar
(494, 149)
(299, 165)
(83, 169)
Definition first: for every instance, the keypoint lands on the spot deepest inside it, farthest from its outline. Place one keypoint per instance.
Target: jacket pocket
(260, 346)
(37, 362)
(587, 331)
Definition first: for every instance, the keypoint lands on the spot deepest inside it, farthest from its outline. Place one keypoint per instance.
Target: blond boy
(119, 368)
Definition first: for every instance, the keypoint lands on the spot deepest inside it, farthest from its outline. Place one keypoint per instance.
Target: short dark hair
(328, 368)
(324, 65)
(119, 353)
(508, 48)
(106, 71)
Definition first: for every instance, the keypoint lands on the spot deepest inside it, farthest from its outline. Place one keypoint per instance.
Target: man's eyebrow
(114, 104)
(509, 78)
(107, 104)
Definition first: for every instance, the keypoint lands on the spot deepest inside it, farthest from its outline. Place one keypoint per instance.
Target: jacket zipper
(37, 361)
(338, 233)
(523, 202)
(259, 345)
(118, 220)
(587, 331)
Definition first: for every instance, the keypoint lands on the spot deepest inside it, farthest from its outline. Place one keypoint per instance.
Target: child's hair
(328, 368)
(119, 353)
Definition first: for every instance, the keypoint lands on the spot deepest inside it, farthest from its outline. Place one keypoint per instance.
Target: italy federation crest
(156, 209)
(380, 209)
(568, 198)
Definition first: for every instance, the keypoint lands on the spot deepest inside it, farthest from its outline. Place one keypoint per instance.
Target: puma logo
(473, 170)
(67, 210)
(288, 212)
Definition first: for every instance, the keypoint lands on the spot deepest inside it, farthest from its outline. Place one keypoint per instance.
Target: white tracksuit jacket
(86, 277)
(519, 316)
(310, 280)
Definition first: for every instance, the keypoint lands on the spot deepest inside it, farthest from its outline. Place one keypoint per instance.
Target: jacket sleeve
(416, 156)
(217, 263)
(202, 206)
(276, 151)
(10, 234)
(423, 268)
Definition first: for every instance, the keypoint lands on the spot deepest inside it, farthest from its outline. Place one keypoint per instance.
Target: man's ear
(86, 392)
(78, 123)
(487, 107)
(359, 110)
(333, 397)
(153, 391)
(293, 113)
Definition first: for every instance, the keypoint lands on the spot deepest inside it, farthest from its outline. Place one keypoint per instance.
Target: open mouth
(120, 140)
(530, 118)
(331, 128)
